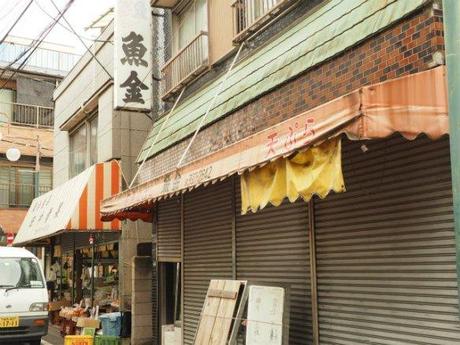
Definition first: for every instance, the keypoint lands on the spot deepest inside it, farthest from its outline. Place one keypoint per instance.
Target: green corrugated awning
(332, 28)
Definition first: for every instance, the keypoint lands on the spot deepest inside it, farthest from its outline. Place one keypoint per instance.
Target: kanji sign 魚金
(133, 55)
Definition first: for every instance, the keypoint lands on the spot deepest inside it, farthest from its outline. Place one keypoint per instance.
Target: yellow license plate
(9, 322)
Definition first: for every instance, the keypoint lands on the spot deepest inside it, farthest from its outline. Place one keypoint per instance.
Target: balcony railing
(188, 63)
(27, 115)
(19, 195)
(251, 15)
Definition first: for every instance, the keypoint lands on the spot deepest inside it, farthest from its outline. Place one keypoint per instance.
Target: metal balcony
(251, 15)
(26, 115)
(186, 65)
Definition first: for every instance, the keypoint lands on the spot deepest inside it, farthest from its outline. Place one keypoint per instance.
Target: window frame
(178, 18)
(14, 179)
(88, 144)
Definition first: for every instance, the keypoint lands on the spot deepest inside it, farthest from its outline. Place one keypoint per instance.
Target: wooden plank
(226, 294)
(208, 314)
(221, 330)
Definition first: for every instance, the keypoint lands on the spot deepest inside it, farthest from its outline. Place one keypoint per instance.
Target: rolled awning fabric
(410, 105)
(316, 171)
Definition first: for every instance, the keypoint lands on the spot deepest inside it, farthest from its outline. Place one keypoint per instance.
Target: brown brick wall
(11, 219)
(406, 47)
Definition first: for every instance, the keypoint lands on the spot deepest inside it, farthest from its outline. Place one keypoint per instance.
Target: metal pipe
(92, 271)
(451, 13)
(157, 136)
(210, 105)
(73, 269)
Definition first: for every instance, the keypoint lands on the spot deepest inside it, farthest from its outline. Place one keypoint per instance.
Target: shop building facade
(95, 152)
(27, 120)
(372, 264)
(88, 131)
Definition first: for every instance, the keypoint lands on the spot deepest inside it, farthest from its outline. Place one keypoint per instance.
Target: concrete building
(368, 256)
(26, 124)
(88, 130)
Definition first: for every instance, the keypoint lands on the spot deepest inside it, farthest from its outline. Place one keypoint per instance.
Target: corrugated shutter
(272, 246)
(207, 247)
(385, 248)
(168, 230)
(155, 309)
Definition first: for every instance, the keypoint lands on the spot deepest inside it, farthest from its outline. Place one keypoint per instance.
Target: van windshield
(21, 273)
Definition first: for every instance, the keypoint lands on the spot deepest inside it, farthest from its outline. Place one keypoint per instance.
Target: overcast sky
(80, 15)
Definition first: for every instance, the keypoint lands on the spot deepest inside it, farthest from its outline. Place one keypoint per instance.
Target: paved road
(53, 337)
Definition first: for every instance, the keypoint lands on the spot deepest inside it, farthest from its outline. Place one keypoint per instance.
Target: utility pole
(37, 170)
(451, 13)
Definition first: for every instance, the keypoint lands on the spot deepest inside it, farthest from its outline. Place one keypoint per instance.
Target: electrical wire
(22, 54)
(15, 22)
(9, 11)
(68, 29)
(33, 46)
(81, 40)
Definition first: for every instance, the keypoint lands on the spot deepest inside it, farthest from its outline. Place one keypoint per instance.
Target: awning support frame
(210, 106)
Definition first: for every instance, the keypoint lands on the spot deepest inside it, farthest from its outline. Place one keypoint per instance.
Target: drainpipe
(451, 14)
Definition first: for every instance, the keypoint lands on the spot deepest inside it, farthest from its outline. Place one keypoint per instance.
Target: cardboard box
(87, 322)
(57, 305)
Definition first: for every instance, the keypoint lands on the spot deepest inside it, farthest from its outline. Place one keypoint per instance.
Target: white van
(23, 297)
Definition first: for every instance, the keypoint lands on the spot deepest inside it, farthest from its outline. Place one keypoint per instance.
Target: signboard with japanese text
(73, 205)
(51, 212)
(265, 315)
(133, 55)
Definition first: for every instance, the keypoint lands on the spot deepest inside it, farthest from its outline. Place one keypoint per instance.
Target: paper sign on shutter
(265, 316)
(133, 55)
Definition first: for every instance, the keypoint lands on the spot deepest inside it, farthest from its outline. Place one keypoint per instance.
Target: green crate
(88, 331)
(107, 340)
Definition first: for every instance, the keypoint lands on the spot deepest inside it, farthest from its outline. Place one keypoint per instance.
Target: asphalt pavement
(53, 337)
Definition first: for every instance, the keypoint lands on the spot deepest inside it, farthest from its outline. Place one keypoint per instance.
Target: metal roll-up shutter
(385, 248)
(207, 247)
(155, 309)
(168, 230)
(272, 246)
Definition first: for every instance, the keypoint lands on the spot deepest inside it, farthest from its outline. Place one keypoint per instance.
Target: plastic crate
(107, 340)
(111, 324)
(78, 340)
(88, 331)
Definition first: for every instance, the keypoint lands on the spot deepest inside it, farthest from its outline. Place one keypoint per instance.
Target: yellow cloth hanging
(317, 170)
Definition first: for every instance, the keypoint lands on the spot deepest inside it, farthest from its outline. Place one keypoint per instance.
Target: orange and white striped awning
(73, 206)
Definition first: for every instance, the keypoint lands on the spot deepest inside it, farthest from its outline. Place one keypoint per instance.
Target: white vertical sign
(265, 315)
(133, 55)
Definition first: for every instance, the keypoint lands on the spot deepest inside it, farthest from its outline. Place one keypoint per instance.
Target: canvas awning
(409, 105)
(73, 206)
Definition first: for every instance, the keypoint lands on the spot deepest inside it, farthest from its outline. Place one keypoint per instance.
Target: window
(18, 187)
(93, 141)
(7, 98)
(191, 22)
(191, 50)
(78, 154)
(252, 15)
(23, 273)
(83, 147)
